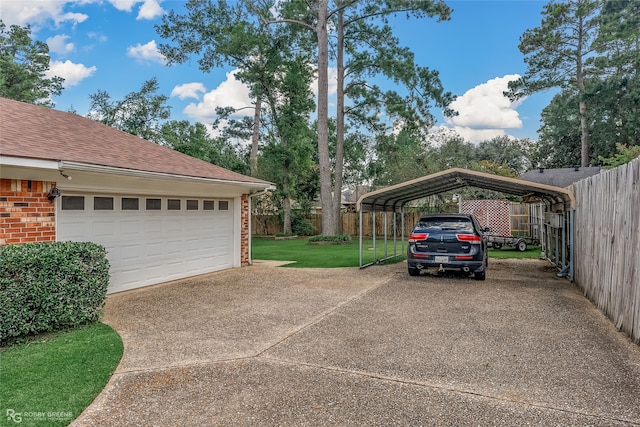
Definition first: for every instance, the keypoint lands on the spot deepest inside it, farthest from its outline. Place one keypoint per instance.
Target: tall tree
(23, 67)
(272, 61)
(139, 113)
(505, 150)
(359, 27)
(195, 141)
(290, 104)
(400, 157)
(555, 54)
(615, 89)
(226, 33)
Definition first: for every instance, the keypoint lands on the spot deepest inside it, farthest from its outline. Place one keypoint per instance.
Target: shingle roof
(560, 177)
(42, 133)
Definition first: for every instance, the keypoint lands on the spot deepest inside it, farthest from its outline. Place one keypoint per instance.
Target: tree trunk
(584, 126)
(337, 193)
(286, 202)
(329, 223)
(584, 136)
(255, 138)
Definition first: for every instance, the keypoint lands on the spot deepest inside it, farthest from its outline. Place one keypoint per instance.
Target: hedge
(50, 286)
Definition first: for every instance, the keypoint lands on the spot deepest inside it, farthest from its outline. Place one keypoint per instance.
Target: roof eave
(87, 167)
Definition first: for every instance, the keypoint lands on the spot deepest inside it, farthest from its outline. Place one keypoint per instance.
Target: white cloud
(484, 112)
(58, 44)
(230, 93)
(124, 5)
(20, 12)
(475, 136)
(150, 9)
(146, 52)
(101, 38)
(333, 82)
(72, 73)
(189, 90)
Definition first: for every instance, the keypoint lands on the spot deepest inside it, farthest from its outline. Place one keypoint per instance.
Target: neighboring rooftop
(560, 177)
(36, 132)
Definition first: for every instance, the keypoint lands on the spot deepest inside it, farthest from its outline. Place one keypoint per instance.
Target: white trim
(153, 175)
(28, 163)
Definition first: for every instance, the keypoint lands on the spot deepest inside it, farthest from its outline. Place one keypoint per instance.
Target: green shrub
(301, 226)
(50, 286)
(340, 238)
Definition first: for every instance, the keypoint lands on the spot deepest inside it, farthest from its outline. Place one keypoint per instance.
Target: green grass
(50, 379)
(331, 256)
(508, 252)
(320, 256)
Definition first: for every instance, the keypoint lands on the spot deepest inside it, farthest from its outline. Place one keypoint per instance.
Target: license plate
(444, 259)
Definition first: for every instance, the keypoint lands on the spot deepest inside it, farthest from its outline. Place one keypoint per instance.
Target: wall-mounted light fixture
(53, 193)
(65, 175)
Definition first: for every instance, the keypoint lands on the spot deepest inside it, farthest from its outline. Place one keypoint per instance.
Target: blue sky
(111, 45)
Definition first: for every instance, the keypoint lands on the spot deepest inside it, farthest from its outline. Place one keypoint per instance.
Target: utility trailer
(520, 243)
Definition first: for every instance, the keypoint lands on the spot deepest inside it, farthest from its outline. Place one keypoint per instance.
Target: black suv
(448, 242)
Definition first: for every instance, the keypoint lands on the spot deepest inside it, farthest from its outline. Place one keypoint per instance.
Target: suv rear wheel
(480, 275)
(413, 271)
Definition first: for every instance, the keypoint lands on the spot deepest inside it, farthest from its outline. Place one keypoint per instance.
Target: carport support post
(385, 234)
(395, 234)
(402, 227)
(360, 237)
(571, 242)
(564, 240)
(374, 234)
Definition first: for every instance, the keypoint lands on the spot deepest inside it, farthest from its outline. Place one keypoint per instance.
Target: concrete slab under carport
(285, 346)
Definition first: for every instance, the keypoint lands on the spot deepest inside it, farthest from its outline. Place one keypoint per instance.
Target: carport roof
(394, 197)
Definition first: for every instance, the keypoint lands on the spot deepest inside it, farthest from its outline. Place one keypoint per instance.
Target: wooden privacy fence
(269, 225)
(607, 244)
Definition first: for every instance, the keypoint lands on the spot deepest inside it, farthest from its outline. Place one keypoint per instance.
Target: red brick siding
(26, 215)
(244, 232)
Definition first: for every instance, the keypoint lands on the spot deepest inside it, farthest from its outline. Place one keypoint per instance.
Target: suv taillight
(468, 238)
(418, 236)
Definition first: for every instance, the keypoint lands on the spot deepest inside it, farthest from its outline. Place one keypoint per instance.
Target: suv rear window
(434, 225)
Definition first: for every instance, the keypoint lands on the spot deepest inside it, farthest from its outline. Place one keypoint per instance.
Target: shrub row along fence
(607, 244)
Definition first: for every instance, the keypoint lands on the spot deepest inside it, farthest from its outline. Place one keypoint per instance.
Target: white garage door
(151, 239)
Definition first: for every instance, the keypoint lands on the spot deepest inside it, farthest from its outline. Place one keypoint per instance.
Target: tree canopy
(23, 67)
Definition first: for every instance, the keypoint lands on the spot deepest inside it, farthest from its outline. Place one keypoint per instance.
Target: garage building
(161, 215)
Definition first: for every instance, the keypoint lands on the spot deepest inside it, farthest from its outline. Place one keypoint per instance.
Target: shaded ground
(268, 346)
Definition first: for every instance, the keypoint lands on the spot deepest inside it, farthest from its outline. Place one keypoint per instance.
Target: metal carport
(394, 198)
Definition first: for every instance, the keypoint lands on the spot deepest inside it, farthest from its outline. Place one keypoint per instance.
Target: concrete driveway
(269, 346)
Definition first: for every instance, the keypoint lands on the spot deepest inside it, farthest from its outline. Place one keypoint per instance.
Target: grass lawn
(508, 252)
(331, 256)
(50, 379)
(320, 256)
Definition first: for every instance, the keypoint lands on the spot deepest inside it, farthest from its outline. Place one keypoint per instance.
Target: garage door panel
(152, 226)
(104, 228)
(155, 249)
(134, 252)
(145, 248)
(130, 227)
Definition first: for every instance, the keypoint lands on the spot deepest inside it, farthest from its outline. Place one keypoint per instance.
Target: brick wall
(244, 232)
(26, 215)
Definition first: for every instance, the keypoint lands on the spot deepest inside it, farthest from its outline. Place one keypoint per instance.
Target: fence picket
(607, 244)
